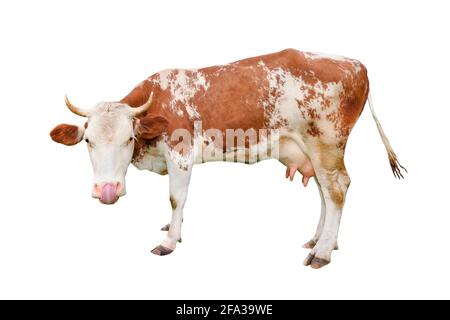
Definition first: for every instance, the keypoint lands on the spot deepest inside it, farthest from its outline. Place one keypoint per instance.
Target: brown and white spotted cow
(296, 107)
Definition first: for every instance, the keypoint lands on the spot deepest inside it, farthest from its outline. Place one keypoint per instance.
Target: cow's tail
(393, 160)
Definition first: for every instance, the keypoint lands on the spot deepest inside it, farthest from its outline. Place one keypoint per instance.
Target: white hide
(182, 89)
(109, 131)
(293, 91)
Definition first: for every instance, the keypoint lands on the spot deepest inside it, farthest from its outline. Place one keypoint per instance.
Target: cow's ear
(67, 134)
(151, 126)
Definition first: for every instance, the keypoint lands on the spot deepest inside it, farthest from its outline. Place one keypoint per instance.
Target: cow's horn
(76, 110)
(139, 110)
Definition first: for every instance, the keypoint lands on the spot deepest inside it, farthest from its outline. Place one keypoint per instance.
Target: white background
(244, 225)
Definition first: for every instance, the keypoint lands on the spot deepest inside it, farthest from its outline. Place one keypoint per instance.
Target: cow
(296, 107)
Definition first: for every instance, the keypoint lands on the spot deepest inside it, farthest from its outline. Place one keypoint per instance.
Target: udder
(295, 160)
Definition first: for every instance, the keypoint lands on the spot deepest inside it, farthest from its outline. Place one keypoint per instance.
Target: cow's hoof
(308, 260)
(314, 262)
(162, 251)
(166, 227)
(312, 243)
(318, 263)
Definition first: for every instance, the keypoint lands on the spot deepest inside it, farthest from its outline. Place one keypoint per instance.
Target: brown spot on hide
(337, 195)
(173, 202)
(313, 130)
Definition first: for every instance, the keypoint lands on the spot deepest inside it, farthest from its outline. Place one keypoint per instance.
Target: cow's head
(110, 133)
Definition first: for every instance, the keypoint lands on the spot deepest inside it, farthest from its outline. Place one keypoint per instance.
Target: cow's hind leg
(334, 181)
(179, 182)
(312, 243)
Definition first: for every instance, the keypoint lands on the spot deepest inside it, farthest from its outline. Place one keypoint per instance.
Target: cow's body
(308, 97)
(296, 107)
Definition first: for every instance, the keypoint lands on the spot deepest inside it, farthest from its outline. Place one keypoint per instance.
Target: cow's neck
(147, 155)
(150, 157)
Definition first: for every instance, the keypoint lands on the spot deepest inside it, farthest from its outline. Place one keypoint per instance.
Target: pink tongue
(109, 193)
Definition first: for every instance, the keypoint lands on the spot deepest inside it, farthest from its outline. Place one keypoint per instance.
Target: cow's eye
(131, 139)
(87, 140)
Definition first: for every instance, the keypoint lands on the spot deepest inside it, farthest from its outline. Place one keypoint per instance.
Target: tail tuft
(393, 160)
(395, 165)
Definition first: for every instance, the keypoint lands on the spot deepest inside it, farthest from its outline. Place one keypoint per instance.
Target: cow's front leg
(179, 182)
(167, 226)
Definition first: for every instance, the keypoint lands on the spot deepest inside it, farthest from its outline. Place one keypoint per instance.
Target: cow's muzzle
(107, 193)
